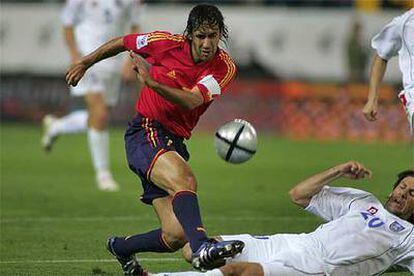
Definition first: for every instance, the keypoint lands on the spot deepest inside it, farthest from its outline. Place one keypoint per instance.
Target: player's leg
(155, 154)
(145, 141)
(172, 173)
(75, 121)
(243, 269)
(169, 238)
(236, 269)
(257, 249)
(98, 139)
(53, 127)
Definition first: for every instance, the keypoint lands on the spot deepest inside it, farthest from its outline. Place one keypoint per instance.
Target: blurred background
(303, 65)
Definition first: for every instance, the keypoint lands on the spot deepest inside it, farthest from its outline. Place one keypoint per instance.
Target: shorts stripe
(152, 136)
(144, 126)
(149, 131)
(159, 153)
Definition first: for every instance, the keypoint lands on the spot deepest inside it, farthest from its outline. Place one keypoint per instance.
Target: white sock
(99, 147)
(214, 272)
(74, 122)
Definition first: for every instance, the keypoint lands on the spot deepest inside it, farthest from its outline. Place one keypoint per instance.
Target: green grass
(55, 222)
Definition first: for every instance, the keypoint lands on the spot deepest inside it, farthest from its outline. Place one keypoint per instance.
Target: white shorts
(99, 81)
(407, 99)
(269, 252)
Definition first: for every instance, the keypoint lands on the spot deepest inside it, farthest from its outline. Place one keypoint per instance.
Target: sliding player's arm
(303, 192)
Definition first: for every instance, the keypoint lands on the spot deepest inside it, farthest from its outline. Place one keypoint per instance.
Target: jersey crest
(396, 227)
(142, 41)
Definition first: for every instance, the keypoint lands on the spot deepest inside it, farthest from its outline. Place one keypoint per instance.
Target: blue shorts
(145, 141)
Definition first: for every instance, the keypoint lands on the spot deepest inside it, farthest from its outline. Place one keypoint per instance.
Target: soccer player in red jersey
(182, 74)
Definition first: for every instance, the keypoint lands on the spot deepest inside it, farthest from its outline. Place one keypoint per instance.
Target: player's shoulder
(347, 191)
(403, 18)
(224, 58)
(165, 36)
(224, 62)
(408, 16)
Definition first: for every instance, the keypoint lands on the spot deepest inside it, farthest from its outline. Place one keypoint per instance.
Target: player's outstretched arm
(303, 192)
(377, 73)
(78, 69)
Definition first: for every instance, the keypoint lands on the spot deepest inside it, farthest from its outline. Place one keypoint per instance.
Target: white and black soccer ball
(236, 141)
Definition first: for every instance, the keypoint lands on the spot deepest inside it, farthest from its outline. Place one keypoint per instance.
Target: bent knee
(189, 183)
(183, 182)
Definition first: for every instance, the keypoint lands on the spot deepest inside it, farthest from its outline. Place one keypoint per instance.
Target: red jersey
(172, 65)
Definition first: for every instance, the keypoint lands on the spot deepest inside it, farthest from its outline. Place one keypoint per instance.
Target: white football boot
(48, 139)
(106, 182)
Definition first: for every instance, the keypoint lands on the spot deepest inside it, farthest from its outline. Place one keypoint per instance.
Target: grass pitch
(55, 222)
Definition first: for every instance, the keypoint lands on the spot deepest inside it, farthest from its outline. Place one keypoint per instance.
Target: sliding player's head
(205, 28)
(401, 200)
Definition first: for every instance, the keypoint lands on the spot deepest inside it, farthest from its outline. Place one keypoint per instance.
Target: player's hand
(127, 73)
(370, 110)
(354, 170)
(75, 73)
(140, 66)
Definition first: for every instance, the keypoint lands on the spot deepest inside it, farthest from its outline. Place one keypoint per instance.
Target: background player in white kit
(396, 38)
(88, 24)
(361, 237)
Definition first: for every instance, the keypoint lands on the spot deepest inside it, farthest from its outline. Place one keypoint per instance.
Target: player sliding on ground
(361, 236)
(187, 72)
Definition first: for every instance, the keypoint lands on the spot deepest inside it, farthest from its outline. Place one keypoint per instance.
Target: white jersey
(397, 38)
(361, 238)
(96, 22)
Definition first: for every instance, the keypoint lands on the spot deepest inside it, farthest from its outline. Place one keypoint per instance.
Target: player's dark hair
(205, 14)
(400, 177)
(403, 175)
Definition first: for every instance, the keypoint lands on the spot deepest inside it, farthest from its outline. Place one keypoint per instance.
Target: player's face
(401, 201)
(205, 42)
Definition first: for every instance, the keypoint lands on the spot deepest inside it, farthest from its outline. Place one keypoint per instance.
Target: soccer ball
(236, 141)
